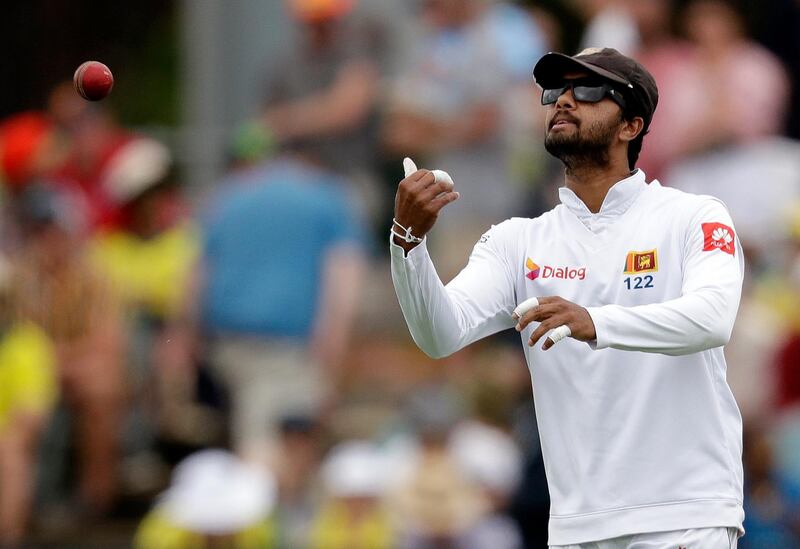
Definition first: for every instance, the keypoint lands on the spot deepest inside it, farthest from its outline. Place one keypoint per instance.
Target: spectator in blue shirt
(279, 274)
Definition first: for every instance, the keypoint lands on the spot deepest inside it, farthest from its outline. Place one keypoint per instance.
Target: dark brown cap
(638, 85)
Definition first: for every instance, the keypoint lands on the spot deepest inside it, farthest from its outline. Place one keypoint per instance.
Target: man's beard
(587, 147)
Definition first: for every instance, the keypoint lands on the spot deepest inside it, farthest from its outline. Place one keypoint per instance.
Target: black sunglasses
(584, 91)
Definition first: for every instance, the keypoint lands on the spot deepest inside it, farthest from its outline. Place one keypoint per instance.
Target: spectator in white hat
(215, 500)
(491, 459)
(355, 477)
(147, 256)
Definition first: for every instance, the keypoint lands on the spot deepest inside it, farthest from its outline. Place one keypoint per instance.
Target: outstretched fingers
(432, 191)
(552, 312)
(539, 313)
(544, 327)
(442, 200)
(558, 333)
(565, 318)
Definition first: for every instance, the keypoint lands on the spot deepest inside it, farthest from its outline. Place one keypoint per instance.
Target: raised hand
(421, 195)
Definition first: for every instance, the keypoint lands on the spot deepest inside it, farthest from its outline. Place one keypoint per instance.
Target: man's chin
(559, 144)
(572, 154)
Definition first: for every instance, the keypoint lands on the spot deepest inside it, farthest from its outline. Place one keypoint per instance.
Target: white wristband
(559, 333)
(406, 235)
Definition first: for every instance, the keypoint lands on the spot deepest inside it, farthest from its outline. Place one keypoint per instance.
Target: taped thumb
(408, 166)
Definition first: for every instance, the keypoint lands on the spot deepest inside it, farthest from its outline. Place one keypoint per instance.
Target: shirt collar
(619, 198)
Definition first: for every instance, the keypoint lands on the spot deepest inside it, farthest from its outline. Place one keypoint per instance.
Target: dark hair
(634, 148)
(635, 145)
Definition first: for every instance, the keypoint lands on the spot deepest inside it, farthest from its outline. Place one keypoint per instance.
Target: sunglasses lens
(585, 91)
(589, 94)
(551, 96)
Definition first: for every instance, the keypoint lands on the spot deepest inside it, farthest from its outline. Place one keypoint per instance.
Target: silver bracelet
(407, 236)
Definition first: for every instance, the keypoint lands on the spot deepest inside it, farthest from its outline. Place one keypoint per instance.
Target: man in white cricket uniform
(641, 436)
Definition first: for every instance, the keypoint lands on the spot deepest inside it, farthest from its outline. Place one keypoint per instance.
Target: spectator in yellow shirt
(353, 516)
(214, 500)
(54, 286)
(28, 391)
(148, 257)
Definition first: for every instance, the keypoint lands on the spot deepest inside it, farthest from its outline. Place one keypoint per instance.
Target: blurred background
(200, 345)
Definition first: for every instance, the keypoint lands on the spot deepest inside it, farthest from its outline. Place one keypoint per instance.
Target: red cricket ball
(93, 80)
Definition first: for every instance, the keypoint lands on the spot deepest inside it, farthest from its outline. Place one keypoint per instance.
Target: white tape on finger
(408, 166)
(560, 333)
(524, 307)
(442, 176)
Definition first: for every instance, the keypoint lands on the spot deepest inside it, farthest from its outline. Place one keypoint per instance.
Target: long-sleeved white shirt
(639, 429)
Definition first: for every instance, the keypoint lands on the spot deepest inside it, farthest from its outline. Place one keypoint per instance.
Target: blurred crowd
(227, 366)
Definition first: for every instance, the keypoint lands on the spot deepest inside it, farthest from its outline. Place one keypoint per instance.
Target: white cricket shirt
(639, 429)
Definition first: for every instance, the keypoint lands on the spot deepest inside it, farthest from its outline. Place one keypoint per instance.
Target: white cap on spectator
(488, 456)
(355, 469)
(136, 167)
(214, 492)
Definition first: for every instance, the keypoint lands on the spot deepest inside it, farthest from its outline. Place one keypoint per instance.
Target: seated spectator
(764, 349)
(148, 257)
(298, 491)
(745, 89)
(30, 147)
(728, 173)
(215, 500)
(719, 88)
(432, 501)
(609, 24)
(352, 513)
(57, 289)
(493, 462)
(772, 500)
(782, 292)
(92, 138)
(28, 392)
(671, 60)
(149, 254)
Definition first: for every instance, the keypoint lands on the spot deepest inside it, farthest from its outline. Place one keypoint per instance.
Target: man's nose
(566, 100)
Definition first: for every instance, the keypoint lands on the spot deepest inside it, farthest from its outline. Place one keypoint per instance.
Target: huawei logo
(722, 237)
(718, 236)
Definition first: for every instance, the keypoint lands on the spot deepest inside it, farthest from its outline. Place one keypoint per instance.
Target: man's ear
(631, 128)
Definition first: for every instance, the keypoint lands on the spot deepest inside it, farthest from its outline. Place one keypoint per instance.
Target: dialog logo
(550, 271)
(533, 269)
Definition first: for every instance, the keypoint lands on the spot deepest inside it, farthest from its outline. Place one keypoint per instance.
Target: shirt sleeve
(703, 316)
(476, 303)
